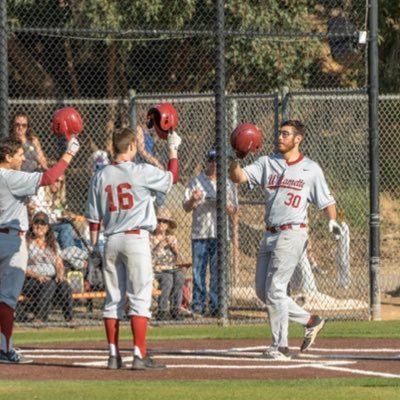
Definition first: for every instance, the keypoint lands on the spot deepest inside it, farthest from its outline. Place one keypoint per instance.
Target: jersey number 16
(124, 197)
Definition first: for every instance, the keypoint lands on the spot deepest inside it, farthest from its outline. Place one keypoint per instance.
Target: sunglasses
(39, 222)
(163, 221)
(20, 125)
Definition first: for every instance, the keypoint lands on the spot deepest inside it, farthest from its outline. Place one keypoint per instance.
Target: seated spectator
(170, 277)
(52, 201)
(45, 284)
(35, 159)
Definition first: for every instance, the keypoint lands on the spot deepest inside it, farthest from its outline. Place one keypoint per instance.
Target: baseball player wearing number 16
(290, 182)
(120, 197)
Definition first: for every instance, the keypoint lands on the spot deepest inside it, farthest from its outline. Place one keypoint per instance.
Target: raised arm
(40, 154)
(236, 173)
(141, 149)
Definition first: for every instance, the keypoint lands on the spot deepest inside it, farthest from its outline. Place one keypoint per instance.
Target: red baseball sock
(139, 332)
(6, 325)
(112, 331)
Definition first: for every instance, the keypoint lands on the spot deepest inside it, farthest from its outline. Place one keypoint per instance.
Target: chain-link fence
(114, 59)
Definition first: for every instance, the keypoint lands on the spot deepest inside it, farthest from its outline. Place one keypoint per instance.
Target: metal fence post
(4, 122)
(132, 109)
(373, 119)
(220, 131)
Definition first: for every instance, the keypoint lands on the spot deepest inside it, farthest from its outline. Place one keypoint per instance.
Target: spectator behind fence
(171, 278)
(200, 197)
(45, 285)
(35, 159)
(52, 201)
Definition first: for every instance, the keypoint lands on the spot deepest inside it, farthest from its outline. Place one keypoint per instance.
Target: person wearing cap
(45, 284)
(200, 199)
(171, 278)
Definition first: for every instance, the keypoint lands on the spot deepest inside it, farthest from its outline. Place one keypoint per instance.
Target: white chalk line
(318, 349)
(224, 366)
(334, 362)
(357, 371)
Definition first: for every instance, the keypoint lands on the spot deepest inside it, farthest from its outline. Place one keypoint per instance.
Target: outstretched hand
(334, 228)
(73, 146)
(173, 141)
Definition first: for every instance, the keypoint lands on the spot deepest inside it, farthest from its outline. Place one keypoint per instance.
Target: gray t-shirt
(204, 216)
(289, 188)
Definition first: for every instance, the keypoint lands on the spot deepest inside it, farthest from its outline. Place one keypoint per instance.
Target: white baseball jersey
(15, 187)
(120, 196)
(289, 188)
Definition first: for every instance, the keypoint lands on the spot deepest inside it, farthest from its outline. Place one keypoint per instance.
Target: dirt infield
(213, 359)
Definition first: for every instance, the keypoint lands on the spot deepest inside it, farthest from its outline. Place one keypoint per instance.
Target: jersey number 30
(293, 200)
(124, 197)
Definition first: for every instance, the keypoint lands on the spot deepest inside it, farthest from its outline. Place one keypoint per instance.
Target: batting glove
(173, 141)
(334, 228)
(72, 146)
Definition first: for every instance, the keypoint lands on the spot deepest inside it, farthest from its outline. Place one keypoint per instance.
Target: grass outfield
(326, 389)
(342, 329)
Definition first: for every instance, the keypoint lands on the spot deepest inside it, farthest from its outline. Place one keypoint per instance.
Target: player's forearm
(173, 167)
(330, 212)
(236, 173)
(52, 174)
(94, 229)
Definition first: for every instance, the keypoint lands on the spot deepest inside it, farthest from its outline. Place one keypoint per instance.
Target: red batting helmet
(67, 122)
(163, 117)
(246, 138)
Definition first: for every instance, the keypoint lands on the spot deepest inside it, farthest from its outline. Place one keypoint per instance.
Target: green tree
(159, 46)
(389, 46)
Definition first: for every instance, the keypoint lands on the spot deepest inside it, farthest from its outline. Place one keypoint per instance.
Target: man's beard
(285, 148)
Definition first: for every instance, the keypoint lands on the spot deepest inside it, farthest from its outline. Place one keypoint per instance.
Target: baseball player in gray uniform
(291, 182)
(15, 187)
(120, 198)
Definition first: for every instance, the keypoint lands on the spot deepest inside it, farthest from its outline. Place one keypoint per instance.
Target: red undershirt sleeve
(173, 167)
(53, 173)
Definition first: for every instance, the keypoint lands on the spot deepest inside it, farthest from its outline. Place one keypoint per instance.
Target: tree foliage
(158, 46)
(389, 46)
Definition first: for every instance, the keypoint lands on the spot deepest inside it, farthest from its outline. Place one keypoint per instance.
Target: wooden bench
(87, 295)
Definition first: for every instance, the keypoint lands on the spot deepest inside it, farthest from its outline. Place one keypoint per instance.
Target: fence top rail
(186, 97)
(127, 33)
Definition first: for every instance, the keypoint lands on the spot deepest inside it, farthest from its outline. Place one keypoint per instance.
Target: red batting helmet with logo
(163, 117)
(246, 138)
(67, 122)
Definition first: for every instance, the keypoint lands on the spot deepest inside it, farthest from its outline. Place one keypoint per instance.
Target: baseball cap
(41, 217)
(212, 155)
(163, 214)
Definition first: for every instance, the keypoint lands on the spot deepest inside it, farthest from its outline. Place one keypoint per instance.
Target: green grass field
(326, 389)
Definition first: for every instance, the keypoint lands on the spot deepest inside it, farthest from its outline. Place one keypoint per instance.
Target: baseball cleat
(114, 362)
(311, 331)
(280, 354)
(141, 364)
(12, 357)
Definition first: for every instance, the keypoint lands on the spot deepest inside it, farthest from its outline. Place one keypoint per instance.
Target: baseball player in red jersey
(120, 198)
(15, 187)
(290, 182)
